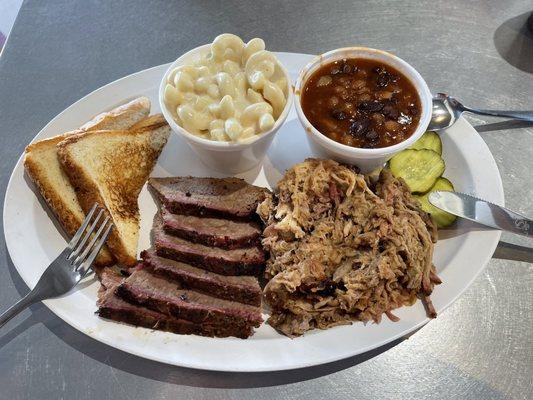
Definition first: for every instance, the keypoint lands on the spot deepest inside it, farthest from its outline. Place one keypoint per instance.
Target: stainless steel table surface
(480, 348)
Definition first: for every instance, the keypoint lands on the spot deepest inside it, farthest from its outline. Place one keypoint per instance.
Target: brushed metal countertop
(480, 348)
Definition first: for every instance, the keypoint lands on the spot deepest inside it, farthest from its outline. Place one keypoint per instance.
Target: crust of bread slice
(43, 167)
(110, 168)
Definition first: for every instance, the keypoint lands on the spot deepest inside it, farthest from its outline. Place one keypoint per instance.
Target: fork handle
(19, 306)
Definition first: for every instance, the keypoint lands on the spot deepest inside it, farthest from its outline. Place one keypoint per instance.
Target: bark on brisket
(231, 198)
(249, 261)
(242, 289)
(160, 295)
(214, 232)
(140, 316)
(117, 309)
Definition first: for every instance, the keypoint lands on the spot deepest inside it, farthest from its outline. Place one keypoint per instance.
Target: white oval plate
(34, 241)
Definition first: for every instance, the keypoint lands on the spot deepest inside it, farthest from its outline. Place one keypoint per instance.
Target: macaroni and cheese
(236, 91)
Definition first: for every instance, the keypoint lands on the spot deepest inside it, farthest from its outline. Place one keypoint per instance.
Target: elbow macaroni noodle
(235, 92)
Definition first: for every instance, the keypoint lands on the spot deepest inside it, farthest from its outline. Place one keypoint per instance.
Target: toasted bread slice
(43, 167)
(110, 168)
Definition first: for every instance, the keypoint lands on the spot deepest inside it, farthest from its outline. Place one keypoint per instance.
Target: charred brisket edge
(239, 294)
(200, 210)
(171, 324)
(213, 264)
(145, 317)
(198, 316)
(204, 211)
(208, 240)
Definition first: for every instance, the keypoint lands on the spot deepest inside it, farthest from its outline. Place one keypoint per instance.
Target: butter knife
(482, 212)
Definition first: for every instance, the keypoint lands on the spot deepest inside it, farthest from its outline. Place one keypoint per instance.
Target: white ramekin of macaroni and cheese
(227, 99)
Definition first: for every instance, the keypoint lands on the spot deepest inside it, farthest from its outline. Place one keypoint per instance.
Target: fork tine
(79, 247)
(74, 241)
(79, 259)
(86, 265)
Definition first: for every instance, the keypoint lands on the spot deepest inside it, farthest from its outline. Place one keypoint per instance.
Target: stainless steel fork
(71, 266)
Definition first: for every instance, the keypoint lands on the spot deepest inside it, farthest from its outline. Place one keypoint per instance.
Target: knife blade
(482, 212)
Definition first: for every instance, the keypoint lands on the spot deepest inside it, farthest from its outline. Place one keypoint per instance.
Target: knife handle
(518, 223)
(509, 251)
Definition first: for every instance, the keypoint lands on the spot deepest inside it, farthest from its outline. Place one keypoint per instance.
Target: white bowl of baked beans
(227, 99)
(361, 106)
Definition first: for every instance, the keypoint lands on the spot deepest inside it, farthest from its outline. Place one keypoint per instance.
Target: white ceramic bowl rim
(213, 144)
(362, 52)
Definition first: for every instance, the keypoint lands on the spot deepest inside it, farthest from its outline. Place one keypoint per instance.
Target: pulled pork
(343, 249)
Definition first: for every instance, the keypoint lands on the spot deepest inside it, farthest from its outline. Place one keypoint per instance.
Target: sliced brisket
(243, 289)
(201, 275)
(159, 294)
(247, 261)
(212, 231)
(226, 198)
(113, 307)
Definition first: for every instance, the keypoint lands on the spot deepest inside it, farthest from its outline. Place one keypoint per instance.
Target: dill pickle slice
(441, 218)
(420, 169)
(430, 141)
